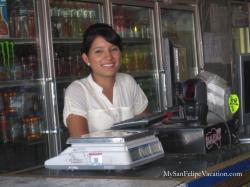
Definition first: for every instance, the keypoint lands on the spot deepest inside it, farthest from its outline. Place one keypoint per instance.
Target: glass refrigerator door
(180, 47)
(69, 19)
(22, 91)
(179, 27)
(135, 26)
(240, 28)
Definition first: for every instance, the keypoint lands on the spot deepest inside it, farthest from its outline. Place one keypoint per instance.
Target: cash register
(190, 127)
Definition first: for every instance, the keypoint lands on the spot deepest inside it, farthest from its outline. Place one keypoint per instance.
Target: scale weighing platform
(108, 150)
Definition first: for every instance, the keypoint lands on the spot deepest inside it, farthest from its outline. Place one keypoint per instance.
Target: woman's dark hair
(103, 30)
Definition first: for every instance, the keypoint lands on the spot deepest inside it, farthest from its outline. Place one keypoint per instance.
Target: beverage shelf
(13, 83)
(23, 143)
(67, 79)
(67, 41)
(136, 41)
(126, 41)
(20, 41)
(143, 74)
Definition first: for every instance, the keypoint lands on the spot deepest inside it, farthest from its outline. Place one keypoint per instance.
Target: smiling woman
(104, 97)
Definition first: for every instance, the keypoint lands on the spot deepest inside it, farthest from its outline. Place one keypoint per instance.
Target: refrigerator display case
(23, 88)
(240, 64)
(68, 21)
(180, 43)
(135, 24)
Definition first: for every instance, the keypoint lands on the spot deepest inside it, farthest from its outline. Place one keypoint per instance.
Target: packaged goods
(4, 30)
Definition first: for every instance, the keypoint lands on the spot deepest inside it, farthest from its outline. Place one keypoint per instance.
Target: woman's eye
(98, 51)
(115, 49)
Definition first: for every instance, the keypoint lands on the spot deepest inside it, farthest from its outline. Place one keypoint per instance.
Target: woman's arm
(77, 126)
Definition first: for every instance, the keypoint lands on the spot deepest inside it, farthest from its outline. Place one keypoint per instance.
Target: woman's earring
(88, 64)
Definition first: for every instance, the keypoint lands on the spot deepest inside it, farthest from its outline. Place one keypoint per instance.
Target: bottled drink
(70, 64)
(32, 125)
(3, 74)
(6, 99)
(86, 17)
(119, 25)
(1, 102)
(124, 63)
(4, 129)
(33, 66)
(3, 70)
(64, 68)
(24, 127)
(21, 20)
(16, 101)
(16, 72)
(145, 29)
(136, 59)
(58, 69)
(31, 23)
(55, 32)
(12, 31)
(26, 68)
(66, 26)
(130, 31)
(129, 60)
(15, 125)
(4, 31)
(56, 21)
(79, 23)
(92, 14)
(79, 67)
(136, 30)
(73, 22)
(139, 50)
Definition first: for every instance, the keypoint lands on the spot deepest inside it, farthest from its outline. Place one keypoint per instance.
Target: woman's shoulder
(77, 85)
(125, 77)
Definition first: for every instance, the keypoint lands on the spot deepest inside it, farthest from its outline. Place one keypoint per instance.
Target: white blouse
(84, 97)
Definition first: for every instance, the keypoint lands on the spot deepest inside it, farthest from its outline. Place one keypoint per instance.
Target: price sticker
(95, 158)
(233, 103)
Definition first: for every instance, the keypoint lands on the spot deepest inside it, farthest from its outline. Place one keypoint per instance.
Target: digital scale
(108, 150)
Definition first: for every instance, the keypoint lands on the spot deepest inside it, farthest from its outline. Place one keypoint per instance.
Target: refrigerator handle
(163, 89)
(54, 131)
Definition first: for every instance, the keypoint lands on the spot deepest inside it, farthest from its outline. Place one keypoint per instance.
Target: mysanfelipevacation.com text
(199, 174)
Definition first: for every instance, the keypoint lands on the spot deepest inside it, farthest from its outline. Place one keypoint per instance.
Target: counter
(172, 170)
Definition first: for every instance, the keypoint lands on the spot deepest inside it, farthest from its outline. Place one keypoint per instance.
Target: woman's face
(103, 57)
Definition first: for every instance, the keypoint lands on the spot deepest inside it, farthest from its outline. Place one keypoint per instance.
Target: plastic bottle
(21, 20)
(31, 123)
(70, 66)
(15, 125)
(31, 23)
(79, 23)
(66, 26)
